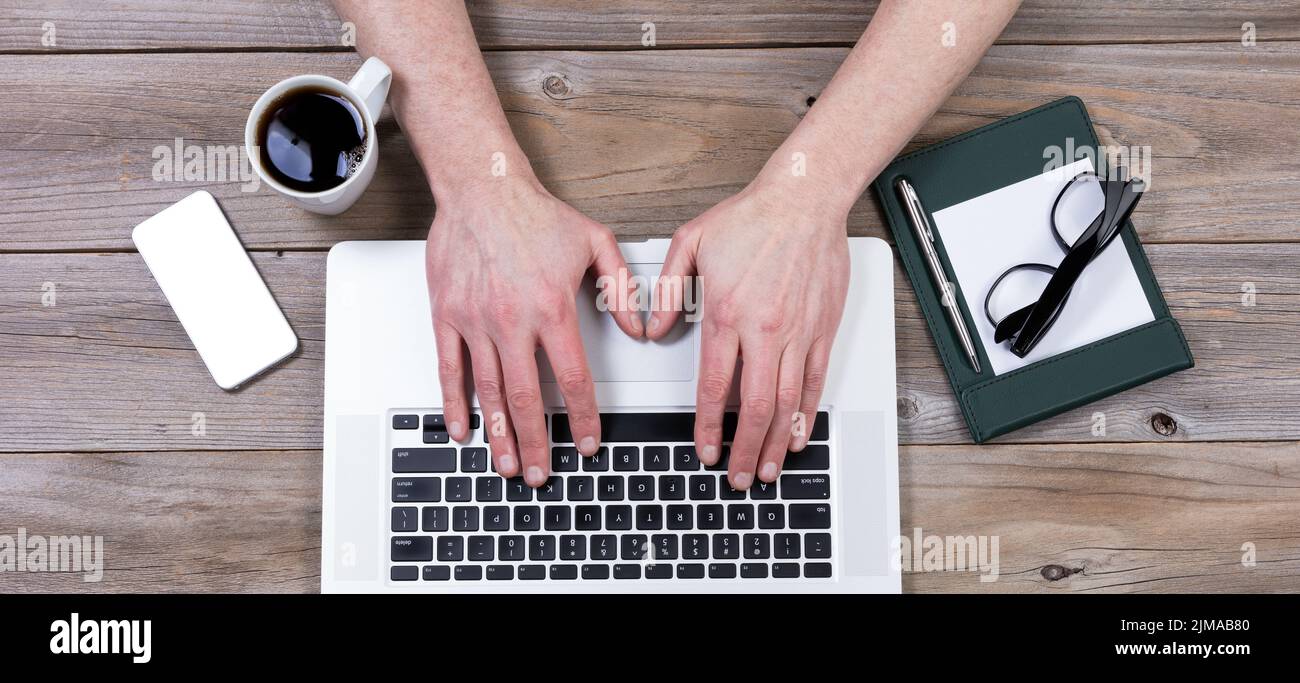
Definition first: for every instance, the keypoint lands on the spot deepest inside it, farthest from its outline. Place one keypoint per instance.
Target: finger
(757, 406)
(451, 375)
(718, 351)
(616, 284)
(786, 420)
(814, 381)
(491, 397)
(563, 346)
(524, 399)
(674, 278)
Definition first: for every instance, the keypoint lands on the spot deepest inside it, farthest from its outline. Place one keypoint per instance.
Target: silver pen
(925, 235)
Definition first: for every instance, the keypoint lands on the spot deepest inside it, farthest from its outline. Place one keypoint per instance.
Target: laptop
(405, 509)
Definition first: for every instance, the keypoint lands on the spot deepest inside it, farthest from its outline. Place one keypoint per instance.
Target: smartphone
(219, 297)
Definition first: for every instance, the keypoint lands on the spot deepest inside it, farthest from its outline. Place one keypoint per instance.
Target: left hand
(774, 270)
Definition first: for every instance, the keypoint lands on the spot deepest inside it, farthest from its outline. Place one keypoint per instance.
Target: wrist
(783, 186)
(480, 175)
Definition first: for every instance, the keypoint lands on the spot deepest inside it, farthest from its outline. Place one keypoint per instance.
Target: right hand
(505, 261)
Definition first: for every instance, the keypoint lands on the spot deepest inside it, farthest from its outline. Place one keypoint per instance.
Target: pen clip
(909, 195)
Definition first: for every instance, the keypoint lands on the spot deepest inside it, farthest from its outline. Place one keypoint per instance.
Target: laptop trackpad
(615, 357)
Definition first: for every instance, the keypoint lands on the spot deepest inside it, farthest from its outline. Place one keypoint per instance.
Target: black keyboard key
(406, 422)
(786, 546)
(618, 517)
(528, 518)
(710, 517)
(664, 547)
(595, 571)
(573, 547)
(488, 489)
(435, 422)
(424, 460)
(817, 570)
(812, 457)
(655, 459)
(684, 459)
(740, 516)
(436, 436)
(631, 427)
(408, 572)
(464, 518)
(627, 571)
(672, 487)
(723, 461)
(587, 518)
(726, 546)
(609, 488)
(510, 548)
(468, 572)
(649, 517)
(729, 421)
(785, 570)
(541, 548)
(690, 571)
(459, 490)
(406, 519)
(641, 487)
(681, 517)
(722, 570)
(725, 491)
(412, 549)
(634, 546)
(805, 486)
(771, 516)
(473, 459)
(556, 518)
(659, 571)
(564, 459)
(500, 572)
(703, 487)
(695, 547)
(821, 430)
(518, 491)
(581, 488)
(756, 546)
(552, 490)
(753, 570)
(532, 572)
(810, 516)
(564, 572)
(434, 518)
(480, 548)
(436, 572)
(451, 548)
(598, 462)
(417, 490)
(604, 547)
(626, 458)
(474, 421)
(817, 546)
(762, 490)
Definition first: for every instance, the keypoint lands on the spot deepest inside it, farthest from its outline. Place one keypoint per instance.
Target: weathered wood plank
(1124, 518)
(108, 367)
(312, 24)
(642, 141)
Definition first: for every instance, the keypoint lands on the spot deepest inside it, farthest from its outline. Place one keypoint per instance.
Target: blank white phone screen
(217, 294)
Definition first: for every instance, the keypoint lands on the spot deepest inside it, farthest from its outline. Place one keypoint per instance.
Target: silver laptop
(406, 510)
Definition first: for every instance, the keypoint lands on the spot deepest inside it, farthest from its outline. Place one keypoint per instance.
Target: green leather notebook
(959, 182)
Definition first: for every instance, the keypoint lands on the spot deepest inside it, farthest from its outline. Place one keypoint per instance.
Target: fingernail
(709, 455)
(588, 445)
(743, 480)
(654, 324)
(535, 476)
(636, 324)
(506, 463)
(768, 473)
(455, 428)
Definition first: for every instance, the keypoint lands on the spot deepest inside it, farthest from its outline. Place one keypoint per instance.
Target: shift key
(805, 486)
(424, 460)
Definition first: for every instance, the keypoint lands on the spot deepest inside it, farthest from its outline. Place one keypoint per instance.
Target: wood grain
(1121, 518)
(642, 141)
(109, 368)
(499, 24)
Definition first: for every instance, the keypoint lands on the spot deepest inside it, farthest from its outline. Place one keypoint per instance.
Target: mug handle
(371, 84)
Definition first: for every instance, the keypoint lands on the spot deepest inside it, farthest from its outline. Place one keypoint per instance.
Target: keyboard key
(771, 516)
(424, 460)
(573, 547)
(451, 548)
(756, 546)
(587, 518)
(722, 570)
(458, 490)
(726, 546)
(412, 549)
(406, 519)
(805, 486)
(488, 489)
(740, 516)
(436, 572)
(641, 487)
(609, 488)
(581, 488)
(552, 490)
(468, 572)
(564, 572)
(785, 570)
(684, 459)
(626, 458)
(664, 546)
(695, 547)
(510, 548)
(532, 572)
(436, 436)
(474, 421)
(703, 487)
(649, 517)
(417, 490)
(464, 518)
(810, 516)
(500, 572)
(817, 570)
(604, 547)
(598, 462)
(627, 571)
(556, 517)
(681, 517)
(435, 422)
(473, 459)
(518, 491)
(564, 459)
(787, 546)
(762, 490)
(659, 571)
(672, 487)
(406, 422)
(480, 548)
(723, 461)
(528, 518)
(408, 572)
(817, 546)
(690, 571)
(729, 421)
(434, 518)
(655, 459)
(595, 571)
(821, 430)
(753, 570)
(725, 491)
(812, 457)
(634, 546)
(618, 517)
(632, 427)
(710, 517)
(541, 548)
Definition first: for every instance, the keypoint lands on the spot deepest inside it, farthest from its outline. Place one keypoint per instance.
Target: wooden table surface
(99, 391)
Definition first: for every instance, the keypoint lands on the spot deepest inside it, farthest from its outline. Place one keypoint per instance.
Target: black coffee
(311, 139)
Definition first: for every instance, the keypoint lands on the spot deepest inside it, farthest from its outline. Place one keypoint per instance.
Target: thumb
(616, 290)
(674, 279)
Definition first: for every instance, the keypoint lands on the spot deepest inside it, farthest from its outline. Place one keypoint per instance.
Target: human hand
(773, 273)
(505, 261)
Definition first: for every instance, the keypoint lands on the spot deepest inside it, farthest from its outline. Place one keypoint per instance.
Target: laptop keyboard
(643, 508)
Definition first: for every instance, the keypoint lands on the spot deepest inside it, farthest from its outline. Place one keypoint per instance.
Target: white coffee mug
(366, 91)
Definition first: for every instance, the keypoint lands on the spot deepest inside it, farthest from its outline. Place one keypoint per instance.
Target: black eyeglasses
(1086, 217)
